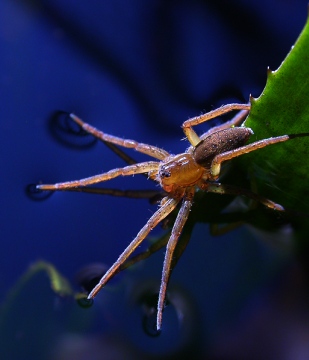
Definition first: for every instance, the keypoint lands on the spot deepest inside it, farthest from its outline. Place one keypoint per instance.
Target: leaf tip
(270, 73)
(252, 99)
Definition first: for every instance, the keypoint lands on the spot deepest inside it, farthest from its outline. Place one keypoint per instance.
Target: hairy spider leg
(133, 194)
(168, 205)
(237, 120)
(128, 159)
(228, 155)
(171, 245)
(215, 167)
(219, 188)
(140, 168)
(150, 150)
(151, 249)
(187, 125)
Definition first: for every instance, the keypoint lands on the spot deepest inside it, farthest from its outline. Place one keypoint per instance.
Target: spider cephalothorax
(179, 171)
(179, 175)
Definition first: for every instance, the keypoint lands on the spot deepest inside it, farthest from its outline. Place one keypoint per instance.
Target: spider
(180, 176)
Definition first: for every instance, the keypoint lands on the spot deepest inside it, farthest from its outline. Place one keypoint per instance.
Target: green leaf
(281, 171)
(58, 283)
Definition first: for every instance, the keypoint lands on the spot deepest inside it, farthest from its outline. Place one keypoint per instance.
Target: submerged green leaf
(59, 284)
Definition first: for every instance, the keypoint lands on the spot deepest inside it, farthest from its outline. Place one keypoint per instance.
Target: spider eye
(165, 174)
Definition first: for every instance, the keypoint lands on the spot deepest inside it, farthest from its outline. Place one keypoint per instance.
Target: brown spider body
(179, 175)
(219, 142)
(192, 167)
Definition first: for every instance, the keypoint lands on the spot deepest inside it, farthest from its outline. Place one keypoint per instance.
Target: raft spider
(179, 176)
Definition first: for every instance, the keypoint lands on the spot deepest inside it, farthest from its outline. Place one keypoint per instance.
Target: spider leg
(134, 194)
(119, 152)
(150, 150)
(235, 121)
(228, 155)
(154, 247)
(187, 125)
(139, 168)
(168, 206)
(171, 245)
(234, 190)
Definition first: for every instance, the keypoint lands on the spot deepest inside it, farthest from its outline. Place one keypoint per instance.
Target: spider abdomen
(220, 142)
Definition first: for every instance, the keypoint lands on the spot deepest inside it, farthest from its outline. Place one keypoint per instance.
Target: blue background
(135, 69)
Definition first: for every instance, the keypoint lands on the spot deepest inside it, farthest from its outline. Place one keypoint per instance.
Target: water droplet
(89, 276)
(149, 323)
(83, 301)
(149, 303)
(68, 133)
(37, 194)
